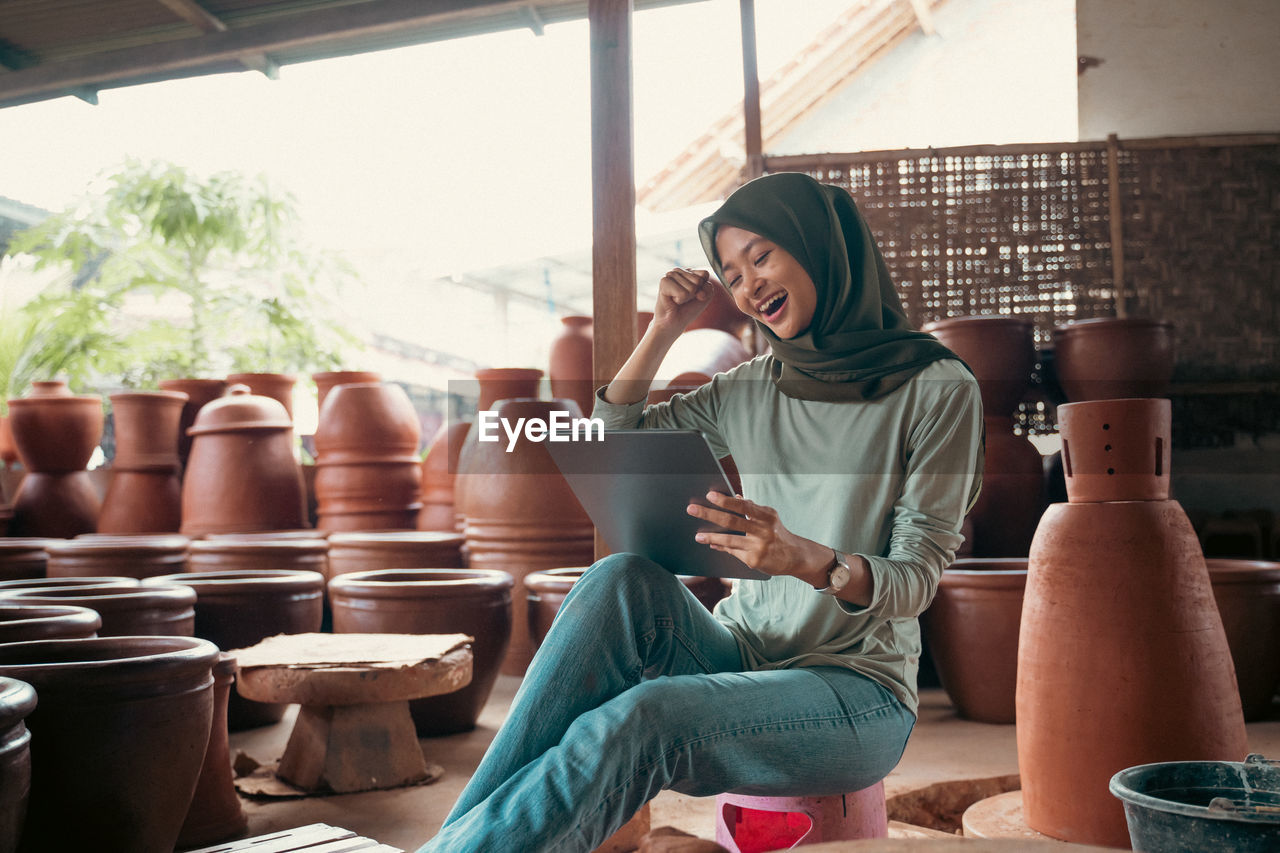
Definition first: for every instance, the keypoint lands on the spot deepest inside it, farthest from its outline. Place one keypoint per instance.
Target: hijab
(860, 345)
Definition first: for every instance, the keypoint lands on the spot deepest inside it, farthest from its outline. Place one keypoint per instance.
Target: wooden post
(751, 93)
(613, 190)
(1116, 215)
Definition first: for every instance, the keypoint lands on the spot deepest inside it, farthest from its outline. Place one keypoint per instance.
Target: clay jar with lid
(433, 601)
(1122, 657)
(439, 473)
(24, 622)
(368, 476)
(137, 712)
(139, 556)
(215, 813)
(56, 435)
(17, 701)
(242, 475)
(199, 392)
(571, 361)
(145, 491)
(238, 609)
(362, 551)
(125, 610)
(23, 558)
(1111, 357)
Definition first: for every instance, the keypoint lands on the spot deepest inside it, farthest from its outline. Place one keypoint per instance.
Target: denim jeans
(638, 688)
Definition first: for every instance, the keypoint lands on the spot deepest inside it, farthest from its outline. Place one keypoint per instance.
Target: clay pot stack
(23, 558)
(125, 610)
(368, 476)
(117, 556)
(250, 552)
(1111, 357)
(55, 433)
(433, 601)
(145, 492)
(199, 392)
(364, 551)
(330, 379)
(17, 701)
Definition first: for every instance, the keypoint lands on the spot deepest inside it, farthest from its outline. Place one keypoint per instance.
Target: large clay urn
(56, 435)
(494, 384)
(571, 361)
(363, 551)
(25, 622)
(329, 379)
(251, 552)
(117, 739)
(126, 611)
(23, 558)
(1111, 357)
(215, 813)
(1248, 597)
(1012, 498)
(242, 475)
(433, 601)
(145, 492)
(17, 701)
(277, 386)
(999, 349)
(199, 392)
(139, 556)
(1122, 657)
(439, 473)
(521, 514)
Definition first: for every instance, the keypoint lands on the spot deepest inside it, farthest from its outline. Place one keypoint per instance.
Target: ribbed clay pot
(394, 549)
(56, 436)
(697, 356)
(277, 386)
(235, 610)
(126, 611)
(199, 392)
(117, 739)
(1248, 597)
(999, 349)
(242, 475)
(1122, 657)
(1012, 497)
(140, 556)
(522, 516)
(972, 626)
(24, 622)
(215, 814)
(145, 491)
(17, 701)
(571, 360)
(433, 601)
(1109, 357)
(329, 379)
(494, 384)
(252, 552)
(439, 473)
(23, 558)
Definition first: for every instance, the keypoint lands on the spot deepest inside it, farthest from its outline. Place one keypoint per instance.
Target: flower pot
(1109, 357)
(433, 601)
(125, 611)
(199, 392)
(1248, 596)
(1012, 498)
(139, 502)
(23, 622)
(145, 492)
(215, 813)
(17, 701)
(1000, 350)
(277, 386)
(253, 552)
(23, 558)
(571, 360)
(393, 549)
(55, 436)
(134, 710)
(49, 388)
(57, 506)
(328, 380)
(439, 474)
(140, 556)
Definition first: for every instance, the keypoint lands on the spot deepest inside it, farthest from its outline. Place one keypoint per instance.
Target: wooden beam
(751, 93)
(1116, 216)
(207, 22)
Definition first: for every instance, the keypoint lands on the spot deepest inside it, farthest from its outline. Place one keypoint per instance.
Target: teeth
(772, 305)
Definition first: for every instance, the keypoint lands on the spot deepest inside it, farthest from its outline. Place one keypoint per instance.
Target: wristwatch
(838, 576)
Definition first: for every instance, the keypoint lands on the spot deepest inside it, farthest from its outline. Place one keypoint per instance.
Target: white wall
(1175, 67)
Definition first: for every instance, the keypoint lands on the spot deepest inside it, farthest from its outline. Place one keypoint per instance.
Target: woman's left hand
(766, 544)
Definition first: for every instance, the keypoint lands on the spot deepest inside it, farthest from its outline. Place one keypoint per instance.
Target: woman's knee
(626, 574)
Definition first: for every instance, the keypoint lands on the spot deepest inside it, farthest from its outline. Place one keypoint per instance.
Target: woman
(857, 440)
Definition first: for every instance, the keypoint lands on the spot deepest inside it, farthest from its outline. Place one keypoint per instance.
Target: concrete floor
(943, 749)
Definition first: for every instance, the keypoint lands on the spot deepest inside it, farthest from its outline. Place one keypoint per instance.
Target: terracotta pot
(368, 495)
(433, 601)
(151, 610)
(1109, 357)
(439, 472)
(57, 506)
(55, 436)
(1012, 498)
(23, 558)
(137, 711)
(999, 349)
(49, 388)
(721, 313)
(142, 502)
(215, 813)
(63, 583)
(571, 360)
(1122, 584)
(277, 386)
(698, 355)
(328, 380)
(242, 475)
(972, 626)
(19, 623)
(269, 535)
(1248, 597)
(199, 392)
(117, 556)
(522, 516)
(495, 383)
(238, 609)
(249, 553)
(393, 549)
(145, 492)
(8, 450)
(17, 701)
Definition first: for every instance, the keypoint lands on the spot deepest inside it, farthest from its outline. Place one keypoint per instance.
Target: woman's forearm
(637, 372)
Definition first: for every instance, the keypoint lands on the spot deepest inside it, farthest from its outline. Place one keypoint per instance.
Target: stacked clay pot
(571, 362)
(277, 386)
(493, 384)
(55, 433)
(1122, 657)
(117, 739)
(215, 814)
(433, 601)
(238, 609)
(364, 551)
(145, 492)
(242, 475)
(23, 557)
(199, 392)
(24, 622)
(439, 473)
(249, 552)
(330, 379)
(117, 556)
(17, 701)
(1001, 352)
(1111, 357)
(368, 476)
(521, 514)
(125, 610)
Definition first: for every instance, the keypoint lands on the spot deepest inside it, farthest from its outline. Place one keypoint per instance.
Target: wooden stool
(314, 836)
(746, 823)
(354, 731)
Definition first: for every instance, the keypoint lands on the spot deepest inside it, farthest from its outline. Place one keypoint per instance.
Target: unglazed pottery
(23, 558)
(215, 813)
(56, 435)
(199, 392)
(277, 386)
(8, 452)
(145, 491)
(1111, 357)
(571, 361)
(117, 739)
(63, 583)
(363, 551)
(138, 610)
(494, 384)
(999, 349)
(20, 622)
(433, 601)
(140, 556)
(249, 552)
(1122, 657)
(1012, 498)
(17, 701)
(1248, 597)
(439, 473)
(328, 380)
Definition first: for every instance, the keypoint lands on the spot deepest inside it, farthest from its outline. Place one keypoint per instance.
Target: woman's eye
(734, 282)
(760, 259)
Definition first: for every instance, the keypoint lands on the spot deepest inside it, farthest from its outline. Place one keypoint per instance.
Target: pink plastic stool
(755, 824)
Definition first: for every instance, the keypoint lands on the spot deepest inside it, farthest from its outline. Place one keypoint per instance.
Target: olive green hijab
(860, 345)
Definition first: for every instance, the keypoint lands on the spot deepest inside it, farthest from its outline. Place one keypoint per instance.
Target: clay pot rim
(552, 580)
(68, 582)
(253, 579)
(17, 544)
(984, 578)
(393, 537)
(112, 660)
(1224, 570)
(153, 396)
(233, 378)
(228, 544)
(1103, 323)
(120, 544)
(266, 535)
(421, 583)
(208, 382)
(328, 374)
(17, 700)
(971, 320)
(486, 373)
(363, 456)
(111, 597)
(63, 614)
(55, 400)
(578, 321)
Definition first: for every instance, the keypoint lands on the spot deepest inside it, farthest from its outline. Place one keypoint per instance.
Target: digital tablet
(635, 485)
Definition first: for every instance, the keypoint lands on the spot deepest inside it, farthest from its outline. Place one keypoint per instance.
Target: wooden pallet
(313, 838)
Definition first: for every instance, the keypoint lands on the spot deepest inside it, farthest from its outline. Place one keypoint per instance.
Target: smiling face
(767, 283)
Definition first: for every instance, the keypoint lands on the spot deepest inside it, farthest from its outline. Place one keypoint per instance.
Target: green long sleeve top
(888, 479)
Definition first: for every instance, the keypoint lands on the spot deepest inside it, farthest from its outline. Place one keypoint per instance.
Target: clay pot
(394, 549)
(698, 355)
(1012, 498)
(199, 392)
(249, 553)
(1110, 357)
(1122, 657)
(496, 383)
(439, 472)
(142, 502)
(277, 386)
(571, 360)
(433, 601)
(215, 813)
(23, 558)
(55, 436)
(972, 626)
(117, 556)
(49, 388)
(8, 450)
(63, 583)
(242, 475)
(1000, 350)
(136, 712)
(17, 701)
(150, 610)
(1248, 597)
(328, 380)
(145, 492)
(19, 623)
(238, 609)
(522, 516)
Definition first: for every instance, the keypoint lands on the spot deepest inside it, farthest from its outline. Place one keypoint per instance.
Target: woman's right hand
(683, 294)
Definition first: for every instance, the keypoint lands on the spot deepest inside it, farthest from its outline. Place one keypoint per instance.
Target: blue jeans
(638, 688)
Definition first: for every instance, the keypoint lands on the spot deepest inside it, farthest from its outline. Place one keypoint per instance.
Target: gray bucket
(1199, 806)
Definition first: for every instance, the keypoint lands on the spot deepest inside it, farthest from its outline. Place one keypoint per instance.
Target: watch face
(839, 575)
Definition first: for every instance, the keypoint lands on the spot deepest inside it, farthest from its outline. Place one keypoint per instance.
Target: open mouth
(771, 309)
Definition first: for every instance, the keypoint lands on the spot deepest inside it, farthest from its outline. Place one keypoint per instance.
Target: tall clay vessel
(439, 474)
(56, 435)
(1122, 657)
(1112, 357)
(145, 493)
(493, 384)
(330, 379)
(199, 392)
(571, 361)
